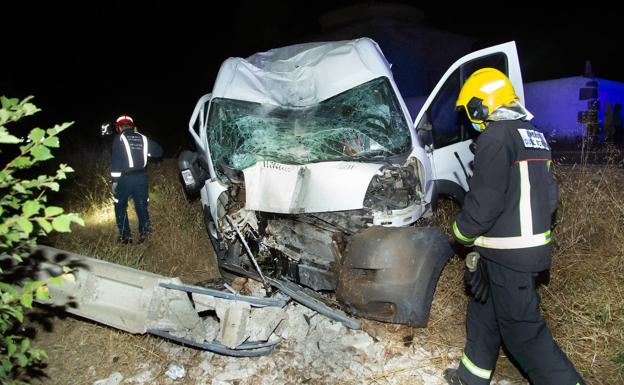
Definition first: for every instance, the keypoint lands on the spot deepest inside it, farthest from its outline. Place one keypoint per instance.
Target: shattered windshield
(362, 123)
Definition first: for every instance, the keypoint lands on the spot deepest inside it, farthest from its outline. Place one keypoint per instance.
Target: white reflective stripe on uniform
(127, 146)
(526, 216)
(115, 200)
(474, 369)
(144, 150)
(115, 174)
(521, 242)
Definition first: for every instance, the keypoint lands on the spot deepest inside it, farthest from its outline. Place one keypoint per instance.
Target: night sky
(154, 59)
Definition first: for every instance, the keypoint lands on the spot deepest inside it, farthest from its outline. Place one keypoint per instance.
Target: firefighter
(129, 160)
(506, 216)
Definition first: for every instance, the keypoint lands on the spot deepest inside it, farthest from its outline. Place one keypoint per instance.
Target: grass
(583, 303)
(178, 245)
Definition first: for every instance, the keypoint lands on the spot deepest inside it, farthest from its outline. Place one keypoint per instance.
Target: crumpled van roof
(301, 75)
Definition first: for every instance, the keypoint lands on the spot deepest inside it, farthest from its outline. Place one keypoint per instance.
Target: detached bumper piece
(140, 302)
(390, 274)
(309, 299)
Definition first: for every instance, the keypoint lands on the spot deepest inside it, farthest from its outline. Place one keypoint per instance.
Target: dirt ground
(82, 352)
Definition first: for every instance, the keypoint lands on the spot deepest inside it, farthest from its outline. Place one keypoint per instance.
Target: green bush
(25, 216)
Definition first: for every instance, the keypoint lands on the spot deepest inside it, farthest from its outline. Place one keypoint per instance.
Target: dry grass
(178, 245)
(583, 304)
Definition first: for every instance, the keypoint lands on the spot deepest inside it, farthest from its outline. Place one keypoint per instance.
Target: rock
(255, 288)
(295, 325)
(172, 310)
(238, 283)
(211, 325)
(263, 322)
(233, 328)
(359, 341)
(175, 372)
(204, 302)
(328, 330)
(113, 379)
(221, 305)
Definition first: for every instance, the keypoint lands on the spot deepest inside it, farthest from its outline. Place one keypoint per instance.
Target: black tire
(221, 253)
(447, 189)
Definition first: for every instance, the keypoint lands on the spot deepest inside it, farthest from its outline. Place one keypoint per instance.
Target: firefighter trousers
(511, 316)
(132, 186)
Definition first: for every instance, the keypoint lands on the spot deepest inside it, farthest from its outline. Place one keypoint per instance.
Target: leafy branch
(24, 216)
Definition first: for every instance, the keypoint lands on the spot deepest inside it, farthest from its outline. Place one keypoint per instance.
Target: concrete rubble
(315, 349)
(171, 310)
(233, 327)
(263, 321)
(319, 351)
(235, 322)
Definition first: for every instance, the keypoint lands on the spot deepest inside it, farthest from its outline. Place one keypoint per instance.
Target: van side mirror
(424, 134)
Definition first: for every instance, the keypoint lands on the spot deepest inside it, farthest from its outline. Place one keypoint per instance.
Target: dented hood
(316, 187)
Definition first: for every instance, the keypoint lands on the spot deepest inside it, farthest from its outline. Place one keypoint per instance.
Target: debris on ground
(324, 350)
(175, 372)
(113, 379)
(315, 350)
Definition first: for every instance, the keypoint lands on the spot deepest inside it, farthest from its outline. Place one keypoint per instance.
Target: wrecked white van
(311, 171)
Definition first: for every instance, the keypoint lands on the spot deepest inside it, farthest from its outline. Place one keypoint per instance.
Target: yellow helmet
(484, 91)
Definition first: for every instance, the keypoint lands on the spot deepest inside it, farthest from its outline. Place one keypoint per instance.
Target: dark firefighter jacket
(130, 153)
(507, 212)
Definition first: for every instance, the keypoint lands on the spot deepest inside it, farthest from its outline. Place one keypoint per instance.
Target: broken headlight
(394, 188)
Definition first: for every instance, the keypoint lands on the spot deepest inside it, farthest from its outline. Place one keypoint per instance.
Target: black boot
(124, 240)
(452, 377)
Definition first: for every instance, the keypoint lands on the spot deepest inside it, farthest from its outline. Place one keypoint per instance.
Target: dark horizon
(153, 60)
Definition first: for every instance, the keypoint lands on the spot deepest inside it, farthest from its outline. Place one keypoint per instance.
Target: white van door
(447, 133)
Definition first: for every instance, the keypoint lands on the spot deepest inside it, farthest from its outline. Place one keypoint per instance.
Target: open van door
(447, 133)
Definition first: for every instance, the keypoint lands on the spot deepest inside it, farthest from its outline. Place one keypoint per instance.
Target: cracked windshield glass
(363, 123)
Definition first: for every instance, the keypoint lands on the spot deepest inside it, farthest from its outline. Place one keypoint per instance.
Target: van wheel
(223, 255)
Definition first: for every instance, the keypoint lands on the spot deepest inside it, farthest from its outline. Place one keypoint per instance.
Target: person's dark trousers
(132, 186)
(512, 315)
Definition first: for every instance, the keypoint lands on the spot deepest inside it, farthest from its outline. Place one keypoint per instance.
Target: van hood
(315, 187)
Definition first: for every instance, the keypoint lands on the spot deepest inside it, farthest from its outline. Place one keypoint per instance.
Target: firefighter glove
(476, 278)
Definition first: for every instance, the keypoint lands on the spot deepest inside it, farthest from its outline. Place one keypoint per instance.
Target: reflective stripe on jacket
(507, 212)
(130, 152)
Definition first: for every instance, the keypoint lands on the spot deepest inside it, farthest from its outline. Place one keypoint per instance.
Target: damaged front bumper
(390, 274)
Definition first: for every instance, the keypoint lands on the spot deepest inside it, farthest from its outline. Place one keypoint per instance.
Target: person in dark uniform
(129, 160)
(507, 218)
